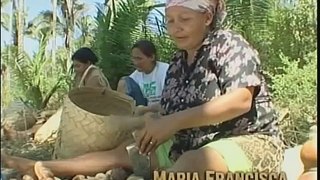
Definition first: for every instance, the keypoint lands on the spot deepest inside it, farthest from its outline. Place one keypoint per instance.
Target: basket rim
(113, 101)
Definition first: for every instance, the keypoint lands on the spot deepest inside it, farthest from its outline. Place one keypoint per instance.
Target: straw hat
(102, 101)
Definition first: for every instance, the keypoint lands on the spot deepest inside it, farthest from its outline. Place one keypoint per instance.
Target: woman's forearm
(219, 110)
(152, 108)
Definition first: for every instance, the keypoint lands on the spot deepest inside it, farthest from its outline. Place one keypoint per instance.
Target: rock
(27, 177)
(79, 177)
(90, 178)
(141, 163)
(118, 174)
(101, 176)
(108, 175)
(49, 129)
(47, 113)
(134, 177)
(19, 117)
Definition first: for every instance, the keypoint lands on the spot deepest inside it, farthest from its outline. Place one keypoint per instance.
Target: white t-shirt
(152, 84)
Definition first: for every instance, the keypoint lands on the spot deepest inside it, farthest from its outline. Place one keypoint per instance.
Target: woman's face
(187, 27)
(140, 61)
(80, 67)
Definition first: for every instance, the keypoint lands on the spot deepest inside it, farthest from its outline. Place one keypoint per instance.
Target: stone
(135, 177)
(79, 177)
(49, 129)
(19, 117)
(101, 176)
(119, 174)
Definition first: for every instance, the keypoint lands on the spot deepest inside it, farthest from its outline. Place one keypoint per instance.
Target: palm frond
(250, 16)
(5, 21)
(117, 29)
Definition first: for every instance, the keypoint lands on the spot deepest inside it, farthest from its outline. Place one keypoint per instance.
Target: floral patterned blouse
(224, 62)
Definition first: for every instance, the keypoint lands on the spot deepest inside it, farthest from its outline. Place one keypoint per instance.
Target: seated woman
(145, 84)
(86, 73)
(215, 100)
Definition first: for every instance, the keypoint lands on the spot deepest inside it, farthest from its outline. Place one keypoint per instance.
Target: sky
(33, 8)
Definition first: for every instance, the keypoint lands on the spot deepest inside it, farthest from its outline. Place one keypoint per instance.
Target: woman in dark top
(216, 102)
(218, 114)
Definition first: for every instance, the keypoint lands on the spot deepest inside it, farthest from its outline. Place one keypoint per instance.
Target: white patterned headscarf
(201, 6)
(197, 5)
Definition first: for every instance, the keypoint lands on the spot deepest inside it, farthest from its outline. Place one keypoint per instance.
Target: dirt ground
(28, 149)
(25, 148)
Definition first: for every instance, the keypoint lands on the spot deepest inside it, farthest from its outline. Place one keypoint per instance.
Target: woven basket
(94, 119)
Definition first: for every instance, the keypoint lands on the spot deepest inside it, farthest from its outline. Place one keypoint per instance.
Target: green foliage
(165, 46)
(296, 89)
(291, 31)
(250, 17)
(86, 25)
(114, 37)
(285, 37)
(36, 79)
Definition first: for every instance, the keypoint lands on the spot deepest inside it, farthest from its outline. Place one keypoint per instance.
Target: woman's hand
(155, 132)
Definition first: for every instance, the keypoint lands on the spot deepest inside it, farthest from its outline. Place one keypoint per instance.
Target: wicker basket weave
(94, 119)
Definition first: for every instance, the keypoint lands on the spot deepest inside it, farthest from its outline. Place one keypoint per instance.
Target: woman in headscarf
(216, 101)
(217, 107)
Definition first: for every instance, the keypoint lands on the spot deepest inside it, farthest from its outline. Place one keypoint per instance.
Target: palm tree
(5, 17)
(71, 10)
(40, 26)
(86, 26)
(59, 23)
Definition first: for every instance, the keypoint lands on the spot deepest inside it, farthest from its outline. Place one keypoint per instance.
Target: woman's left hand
(155, 132)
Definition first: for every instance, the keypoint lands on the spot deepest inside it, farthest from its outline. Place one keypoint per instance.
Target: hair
(85, 55)
(218, 12)
(146, 47)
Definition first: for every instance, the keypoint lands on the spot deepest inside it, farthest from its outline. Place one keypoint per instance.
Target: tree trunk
(68, 11)
(12, 36)
(20, 29)
(54, 25)
(14, 28)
